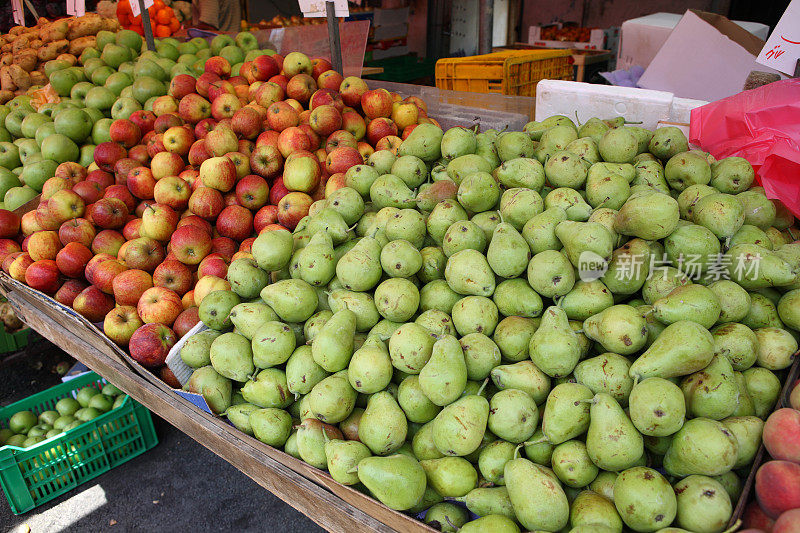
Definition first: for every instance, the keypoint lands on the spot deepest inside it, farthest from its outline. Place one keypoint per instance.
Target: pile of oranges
(162, 19)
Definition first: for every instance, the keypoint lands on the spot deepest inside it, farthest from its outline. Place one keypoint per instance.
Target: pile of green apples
(110, 82)
(571, 327)
(26, 428)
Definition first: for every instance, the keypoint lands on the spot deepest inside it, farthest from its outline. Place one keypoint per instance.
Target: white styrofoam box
(641, 38)
(174, 362)
(559, 97)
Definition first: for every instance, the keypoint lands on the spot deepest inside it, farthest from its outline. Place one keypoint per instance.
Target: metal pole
(333, 37)
(148, 30)
(485, 25)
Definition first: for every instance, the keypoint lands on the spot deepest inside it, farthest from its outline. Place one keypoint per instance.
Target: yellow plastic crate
(511, 72)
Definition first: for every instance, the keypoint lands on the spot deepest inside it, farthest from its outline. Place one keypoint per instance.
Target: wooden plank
(283, 475)
(367, 71)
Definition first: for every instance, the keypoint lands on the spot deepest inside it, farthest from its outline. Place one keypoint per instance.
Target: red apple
(177, 140)
(173, 192)
(167, 164)
(252, 192)
(225, 106)
(204, 81)
(93, 304)
(190, 244)
(390, 142)
(280, 80)
(218, 173)
(144, 253)
(186, 321)
(43, 275)
(341, 159)
(71, 171)
(159, 304)
(281, 115)
(9, 224)
(109, 213)
(202, 128)
(28, 224)
(326, 97)
(293, 207)
(159, 222)
(325, 119)
(235, 222)
(219, 66)
(121, 323)
(123, 167)
(193, 108)
(150, 344)
(269, 93)
(220, 141)
(69, 291)
(213, 265)
(76, 230)
(108, 153)
(89, 191)
(173, 275)
(266, 161)
(145, 119)
(121, 192)
(93, 263)
(300, 87)
(43, 245)
(354, 124)
(44, 219)
(379, 128)
(165, 104)
(108, 241)
(206, 203)
(139, 153)
(264, 217)
(8, 247)
(101, 177)
(366, 149)
(352, 89)
(330, 79)
(269, 138)
(130, 285)
(198, 153)
(264, 67)
(104, 273)
(125, 132)
(141, 182)
(293, 140)
(18, 265)
(181, 85)
(131, 229)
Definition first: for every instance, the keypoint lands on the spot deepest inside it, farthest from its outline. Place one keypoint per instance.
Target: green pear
(612, 441)
(606, 373)
(603, 484)
(649, 215)
(232, 356)
(685, 169)
(459, 167)
(702, 446)
(360, 303)
(463, 235)
(196, 351)
(474, 314)
(703, 504)
(514, 144)
(446, 517)
(411, 170)
(723, 214)
(514, 297)
(316, 262)
(333, 346)
(508, 253)
(383, 427)
(412, 400)
(554, 346)
(248, 317)
(494, 522)
(590, 509)
(424, 142)
(572, 465)
(763, 386)
(410, 348)
(492, 460)
(690, 302)
(651, 174)
(582, 239)
(215, 388)
(712, 392)
(343, 458)
(570, 201)
(239, 416)
(566, 416)
(444, 376)
(512, 337)
(513, 415)
(370, 368)
(620, 329)
(422, 443)
(486, 501)
(271, 426)
(745, 405)
(682, 348)
(398, 481)
(644, 499)
(628, 268)
(733, 299)
(450, 476)
(332, 399)
(216, 307)
(518, 205)
(458, 429)
(754, 267)
(524, 376)
(273, 344)
(302, 372)
(551, 274)
(747, 430)
(444, 215)
(468, 272)
(360, 268)
(268, 389)
(400, 259)
(586, 299)
(540, 230)
(751, 235)
(293, 300)
(361, 177)
(273, 249)
(662, 282)
(539, 503)
(657, 407)
(312, 436)
(689, 197)
(776, 348)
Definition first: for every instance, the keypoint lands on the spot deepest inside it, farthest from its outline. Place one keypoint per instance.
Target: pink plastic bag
(763, 126)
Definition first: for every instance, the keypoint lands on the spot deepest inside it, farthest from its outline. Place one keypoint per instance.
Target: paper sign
(316, 8)
(16, 9)
(76, 8)
(783, 47)
(135, 6)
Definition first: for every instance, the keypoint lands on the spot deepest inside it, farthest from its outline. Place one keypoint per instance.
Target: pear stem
(480, 390)
(516, 450)
(578, 120)
(537, 441)
(353, 470)
(734, 527)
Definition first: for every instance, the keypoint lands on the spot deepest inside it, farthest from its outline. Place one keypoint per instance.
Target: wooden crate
(311, 491)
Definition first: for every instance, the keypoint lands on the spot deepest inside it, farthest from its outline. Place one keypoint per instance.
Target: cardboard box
(706, 57)
(641, 38)
(597, 39)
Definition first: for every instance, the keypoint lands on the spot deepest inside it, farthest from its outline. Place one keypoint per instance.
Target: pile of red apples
(138, 239)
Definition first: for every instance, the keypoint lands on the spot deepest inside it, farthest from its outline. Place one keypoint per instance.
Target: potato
(54, 31)
(16, 30)
(6, 83)
(20, 77)
(69, 58)
(6, 59)
(110, 24)
(38, 78)
(52, 50)
(6, 48)
(89, 24)
(21, 43)
(80, 44)
(26, 59)
(5, 96)
(36, 43)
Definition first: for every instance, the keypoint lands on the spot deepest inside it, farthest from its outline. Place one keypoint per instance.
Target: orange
(174, 25)
(137, 20)
(162, 31)
(164, 15)
(159, 4)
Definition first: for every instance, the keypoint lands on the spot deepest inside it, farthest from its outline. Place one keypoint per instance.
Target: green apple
(5, 136)
(65, 103)
(44, 131)
(105, 37)
(149, 68)
(47, 108)
(118, 81)
(147, 87)
(87, 155)
(4, 111)
(100, 98)
(31, 123)
(127, 92)
(115, 54)
(187, 48)
(148, 105)
(63, 80)
(94, 113)
(54, 65)
(199, 66)
(13, 122)
(233, 54)
(18, 196)
(8, 180)
(60, 148)
(187, 59)
(149, 54)
(199, 42)
(92, 65)
(100, 131)
(203, 54)
(246, 41)
(252, 54)
(27, 149)
(180, 68)
(9, 156)
(79, 74)
(101, 74)
(127, 67)
(79, 90)
(130, 39)
(219, 42)
(235, 69)
(124, 107)
(165, 63)
(89, 53)
(74, 123)
(168, 50)
(33, 157)
(35, 174)
(22, 103)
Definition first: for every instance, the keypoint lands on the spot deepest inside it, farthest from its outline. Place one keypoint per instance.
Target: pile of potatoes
(24, 51)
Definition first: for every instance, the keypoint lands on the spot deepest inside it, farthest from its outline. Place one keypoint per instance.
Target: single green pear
(566, 416)
(360, 268)
(425, 143)
(571, 464)
(312, 435)
(450, 476)
(272, 250)
(383, 426)
(585, 241)
(524, 376)
(711, 392)
(494, 522)
(249, 316)
(332, 399)
(754, 267)
(293, 300)
(606, 373)
(370, 368)
(485, 501)
(538, 501)
(649, 215)
(316, 261)
(612, 441)
(343, 458)
(513, 415)
(446, 517)
(398, 481)
(468, 272)
(689, 302)
(763, 386)
(508, 253)
(657, 407)
(493, 458)
(540, 230)
(302, 372)
(459, 428)
(703, 504)
(554, 346)
(551, 274)
(333, 345)
(271, 426)
(702, 446)
(586, 299)
(620, 329)
(273, 344)
(628, 268)
(444, 376)
(644, 499)
(268, 389)
(513, 335)
(590, 509)
(682, 348)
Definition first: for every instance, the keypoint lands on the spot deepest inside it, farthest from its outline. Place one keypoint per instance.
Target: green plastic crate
(33, 476)
(13, 342)
(402, 69)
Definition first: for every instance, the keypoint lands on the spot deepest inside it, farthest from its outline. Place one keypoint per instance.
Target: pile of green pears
(434, 334)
